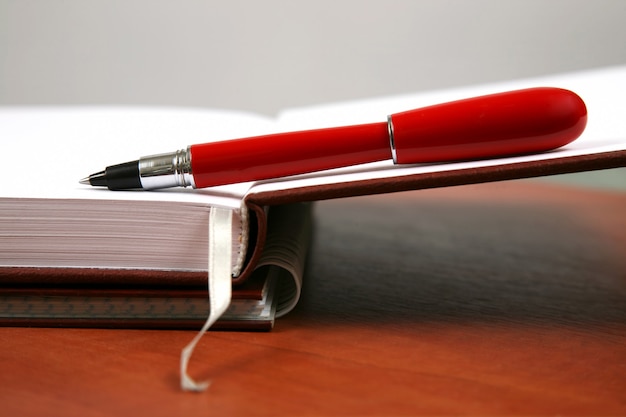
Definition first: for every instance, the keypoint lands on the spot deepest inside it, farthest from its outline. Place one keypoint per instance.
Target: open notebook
(54, 230)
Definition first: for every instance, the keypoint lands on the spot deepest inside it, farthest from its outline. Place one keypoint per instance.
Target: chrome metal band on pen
(166, 170)
(392, 143)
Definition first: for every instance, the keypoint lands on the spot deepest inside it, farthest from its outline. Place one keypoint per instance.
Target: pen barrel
(285, 154)
(512, 123)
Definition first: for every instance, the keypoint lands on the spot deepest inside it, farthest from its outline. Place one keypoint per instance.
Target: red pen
(505, 124)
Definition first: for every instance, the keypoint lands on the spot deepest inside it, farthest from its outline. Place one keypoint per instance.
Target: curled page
(219, 285)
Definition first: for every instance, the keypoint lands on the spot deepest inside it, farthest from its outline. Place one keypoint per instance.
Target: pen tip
(97, 179)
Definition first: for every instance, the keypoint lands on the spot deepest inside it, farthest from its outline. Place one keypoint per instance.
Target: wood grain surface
(494, 299)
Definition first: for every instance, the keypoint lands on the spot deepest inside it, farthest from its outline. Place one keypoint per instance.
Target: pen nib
(97, 179)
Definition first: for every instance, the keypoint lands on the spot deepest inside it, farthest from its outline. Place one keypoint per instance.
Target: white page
(48, 150)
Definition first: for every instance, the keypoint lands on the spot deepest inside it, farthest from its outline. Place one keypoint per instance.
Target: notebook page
(52, 148)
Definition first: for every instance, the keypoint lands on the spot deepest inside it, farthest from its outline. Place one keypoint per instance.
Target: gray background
(262, 56)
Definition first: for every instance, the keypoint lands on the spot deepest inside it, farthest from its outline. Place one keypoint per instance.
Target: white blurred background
(263, 56)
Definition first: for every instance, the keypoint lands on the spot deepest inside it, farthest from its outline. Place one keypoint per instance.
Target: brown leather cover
(260, 325)
(531, 169)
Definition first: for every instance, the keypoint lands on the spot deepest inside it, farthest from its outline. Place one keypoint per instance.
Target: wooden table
(498, 299)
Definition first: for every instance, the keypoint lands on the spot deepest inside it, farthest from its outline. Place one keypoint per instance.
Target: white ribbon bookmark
(219, 283)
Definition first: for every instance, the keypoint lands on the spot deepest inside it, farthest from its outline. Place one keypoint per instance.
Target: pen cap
(512, 123)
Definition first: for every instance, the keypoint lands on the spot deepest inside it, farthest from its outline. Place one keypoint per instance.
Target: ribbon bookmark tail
(219, 286)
